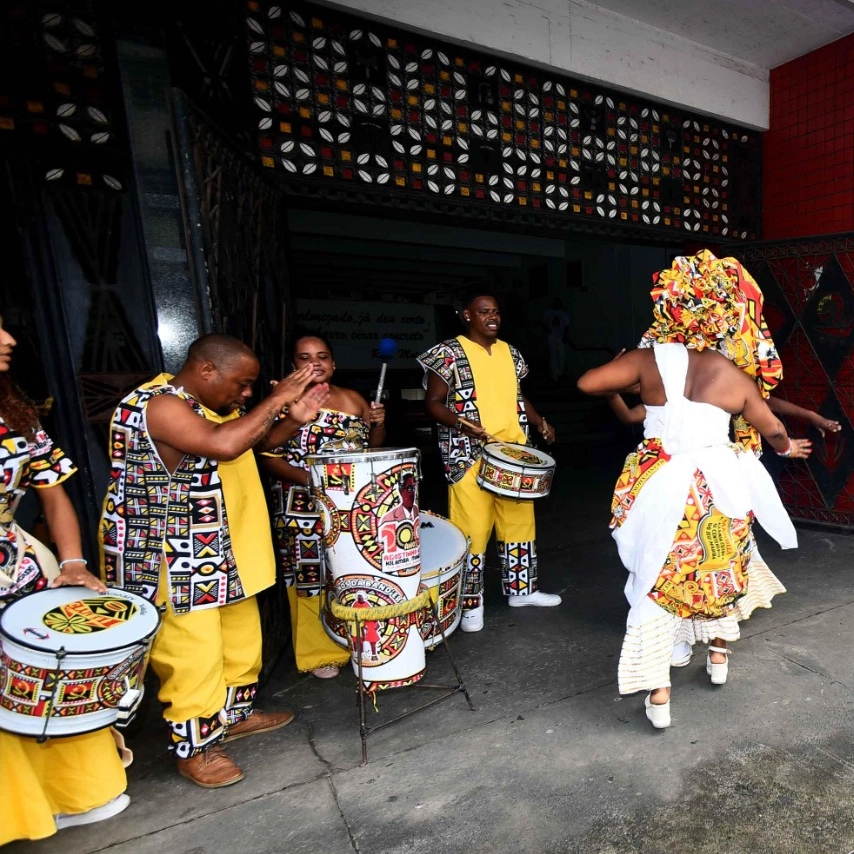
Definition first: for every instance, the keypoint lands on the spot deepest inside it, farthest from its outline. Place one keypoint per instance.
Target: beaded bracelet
(787, 452)
(73, 560)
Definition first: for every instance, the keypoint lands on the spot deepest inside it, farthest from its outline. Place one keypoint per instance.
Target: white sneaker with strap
(658, 714)
(718, 672)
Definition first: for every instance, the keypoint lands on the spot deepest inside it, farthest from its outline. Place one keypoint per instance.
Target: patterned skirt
(712, 578)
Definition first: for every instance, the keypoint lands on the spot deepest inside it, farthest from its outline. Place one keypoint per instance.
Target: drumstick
(468, 423)
(544, 425)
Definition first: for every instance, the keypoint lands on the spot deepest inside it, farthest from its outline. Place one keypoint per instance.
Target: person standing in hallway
(556, 326)
(474, 392)
(185, 525)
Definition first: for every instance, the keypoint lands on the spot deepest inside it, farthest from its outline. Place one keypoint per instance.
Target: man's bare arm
(172, 422)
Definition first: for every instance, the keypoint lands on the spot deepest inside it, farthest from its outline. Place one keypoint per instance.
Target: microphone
(388, 350)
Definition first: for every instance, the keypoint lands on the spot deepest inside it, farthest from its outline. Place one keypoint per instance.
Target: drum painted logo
(521, 455)
(384, 522)
(382, 640)
(86, 616)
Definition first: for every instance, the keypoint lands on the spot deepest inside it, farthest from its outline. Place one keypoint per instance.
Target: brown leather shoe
(258, 722)
(211, 769)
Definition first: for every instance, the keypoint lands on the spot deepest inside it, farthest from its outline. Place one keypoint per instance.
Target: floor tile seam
(796, 620)
(833, 680)
(481, 725)
(848, 766)
(340, 808)
(195, 818)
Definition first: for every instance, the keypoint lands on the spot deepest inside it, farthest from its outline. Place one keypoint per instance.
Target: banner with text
(355, 329)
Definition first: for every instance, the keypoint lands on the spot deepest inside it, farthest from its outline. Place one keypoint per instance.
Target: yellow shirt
(248, 517)
(246, 511)
(496, 386)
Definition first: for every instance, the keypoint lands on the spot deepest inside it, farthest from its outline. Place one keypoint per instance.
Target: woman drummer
(347, 423)
(79, 779)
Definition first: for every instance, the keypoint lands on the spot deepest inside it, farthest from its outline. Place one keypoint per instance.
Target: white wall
(585, 41)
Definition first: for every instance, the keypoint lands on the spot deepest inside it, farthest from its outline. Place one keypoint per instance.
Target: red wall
(808, 152)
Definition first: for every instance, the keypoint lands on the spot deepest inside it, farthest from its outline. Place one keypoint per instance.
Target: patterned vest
(449, 361)
(151, 516)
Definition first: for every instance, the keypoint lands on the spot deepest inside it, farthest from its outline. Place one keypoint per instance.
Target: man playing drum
(185, 525)
(473, 392)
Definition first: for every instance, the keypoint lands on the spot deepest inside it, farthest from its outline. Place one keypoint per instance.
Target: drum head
(368, 455)
(442, 543)
(79, 620)
(513, 455)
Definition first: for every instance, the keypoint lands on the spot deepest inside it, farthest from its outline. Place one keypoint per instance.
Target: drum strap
(44, 556)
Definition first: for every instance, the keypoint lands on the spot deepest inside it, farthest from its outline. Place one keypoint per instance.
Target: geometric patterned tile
(776, 310)
(828, 317)
(832, 459)
(809, 296)
(804, 379)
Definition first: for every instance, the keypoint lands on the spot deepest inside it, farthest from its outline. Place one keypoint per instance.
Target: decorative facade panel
(59, 100)
(350, 103)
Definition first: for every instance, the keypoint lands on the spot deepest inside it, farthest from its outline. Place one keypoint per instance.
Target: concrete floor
(554, 760)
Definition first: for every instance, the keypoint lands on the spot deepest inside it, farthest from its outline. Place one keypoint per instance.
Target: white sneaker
(472, 620)
(718, 672)
(538, 598)
(658, 714)
(118, 804)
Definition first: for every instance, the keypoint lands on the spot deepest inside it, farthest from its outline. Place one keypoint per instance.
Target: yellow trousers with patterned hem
(200, 655)
(63, 775)
(312, 646)
(475, 512)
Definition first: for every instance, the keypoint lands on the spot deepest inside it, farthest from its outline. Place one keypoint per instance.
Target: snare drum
(443, 560)
(515, 471)
(72, 660)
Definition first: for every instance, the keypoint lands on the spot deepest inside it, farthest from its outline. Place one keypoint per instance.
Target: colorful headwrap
(702, 302)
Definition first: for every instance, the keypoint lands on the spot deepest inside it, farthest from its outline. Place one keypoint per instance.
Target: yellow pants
(62, 775)
(475, 512)
(312, 646)
(208, 664)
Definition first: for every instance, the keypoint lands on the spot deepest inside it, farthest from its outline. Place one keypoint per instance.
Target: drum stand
(360, 616)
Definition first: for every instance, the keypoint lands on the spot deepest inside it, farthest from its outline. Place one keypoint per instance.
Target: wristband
(82, 560)
(787, 452)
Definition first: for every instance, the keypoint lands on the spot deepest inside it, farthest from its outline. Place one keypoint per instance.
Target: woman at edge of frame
(78, 779)
(347, 422)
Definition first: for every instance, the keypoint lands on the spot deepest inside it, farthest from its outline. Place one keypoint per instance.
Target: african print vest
(151, 516)
(449, 361)
(331, 432)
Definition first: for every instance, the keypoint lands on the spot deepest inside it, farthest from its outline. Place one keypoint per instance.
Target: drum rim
(77, 653)
(74, 718)
(365, 455)
(437, 573)
(511, 462)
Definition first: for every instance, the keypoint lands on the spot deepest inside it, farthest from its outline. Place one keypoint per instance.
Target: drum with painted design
(368, 501)
(444, 548)
(515, 471)
(73, 661)
(443, 558)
